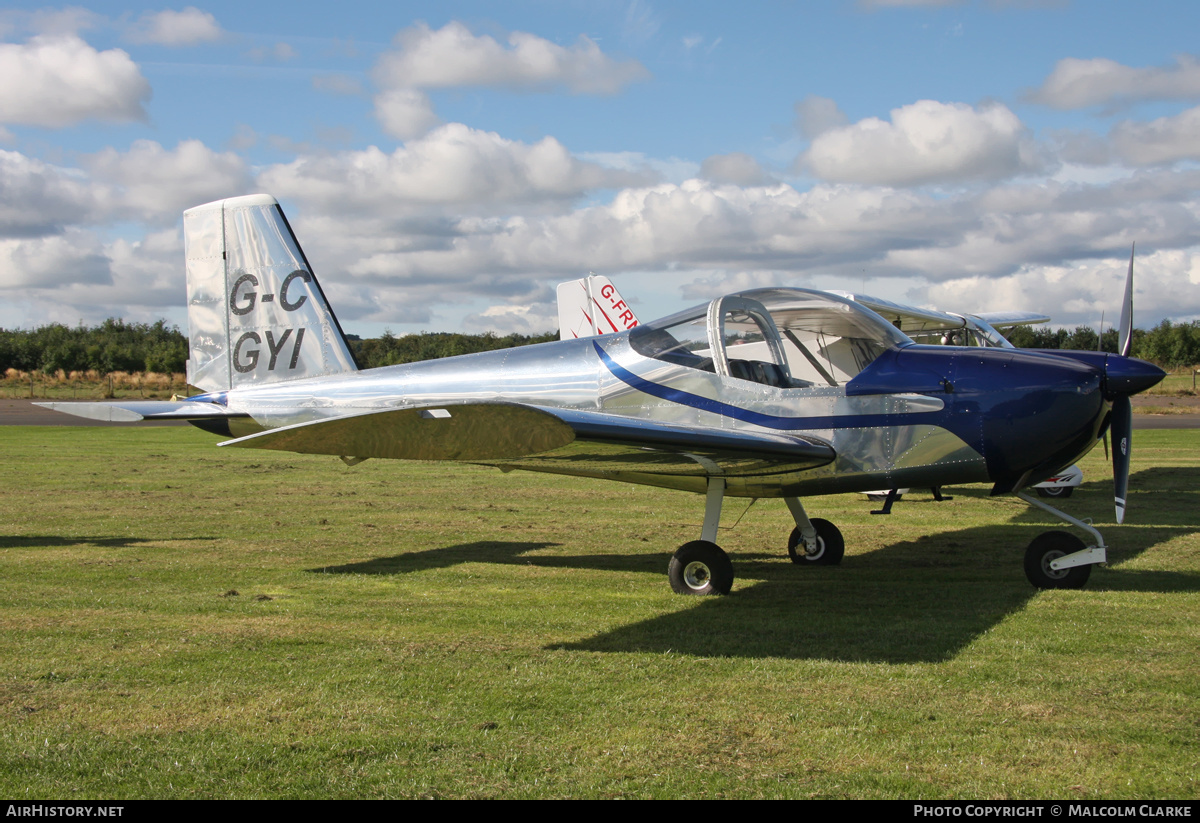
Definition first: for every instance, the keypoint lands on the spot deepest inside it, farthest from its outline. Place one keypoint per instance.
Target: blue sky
(445, 165)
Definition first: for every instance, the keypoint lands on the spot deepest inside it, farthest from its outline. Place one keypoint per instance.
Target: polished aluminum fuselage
(882, 439)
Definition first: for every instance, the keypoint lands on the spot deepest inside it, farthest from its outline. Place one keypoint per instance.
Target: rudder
(256, 313)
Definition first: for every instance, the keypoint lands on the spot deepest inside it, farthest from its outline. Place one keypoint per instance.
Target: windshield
(826, 340)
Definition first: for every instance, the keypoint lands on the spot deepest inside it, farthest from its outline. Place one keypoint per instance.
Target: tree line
(112, 346)
(1170, 345)
(115, 345)
(390, 350)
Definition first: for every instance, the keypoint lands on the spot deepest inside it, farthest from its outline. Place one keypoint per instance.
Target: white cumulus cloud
(405, 113)
(154, 184)
(56, 81)
(525, 319)
(176, 28)
(736, 168)
(1076, 83)
(38, 198)
(454, 165)
(817, 115)
(1164, 140)
(454, 57)
(925, 142)
(68, 259)
(1079, 292)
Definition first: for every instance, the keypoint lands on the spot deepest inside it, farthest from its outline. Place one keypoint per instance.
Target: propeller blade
(1125, 343)
(1122, 432)
(1100, 347)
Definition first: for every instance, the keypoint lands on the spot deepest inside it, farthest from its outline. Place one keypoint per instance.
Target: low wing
(558, 440)
(131, 411)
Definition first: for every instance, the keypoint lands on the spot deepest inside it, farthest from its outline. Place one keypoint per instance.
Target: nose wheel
(814, 541)
(826, 550)
(1060, 560)
(1041, 554)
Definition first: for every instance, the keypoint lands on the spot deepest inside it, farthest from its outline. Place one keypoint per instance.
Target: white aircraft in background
(590, 307)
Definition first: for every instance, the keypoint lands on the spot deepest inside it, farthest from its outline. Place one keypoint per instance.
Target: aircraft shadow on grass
(913, 601)
(496, 551)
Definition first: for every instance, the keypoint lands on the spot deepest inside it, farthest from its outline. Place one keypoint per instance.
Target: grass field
(178, 620)
(1181, 382)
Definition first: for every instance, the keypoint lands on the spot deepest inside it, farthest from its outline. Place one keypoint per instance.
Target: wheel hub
(816, 551)
(1047, 559)
(696, 575)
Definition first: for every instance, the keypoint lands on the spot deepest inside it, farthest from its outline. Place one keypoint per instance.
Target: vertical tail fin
(256, 313)
(591, 306)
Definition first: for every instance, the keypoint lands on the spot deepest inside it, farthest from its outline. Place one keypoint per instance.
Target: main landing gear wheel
(828, 551)
(1050, 546)
(700, 567)
(1056, 491)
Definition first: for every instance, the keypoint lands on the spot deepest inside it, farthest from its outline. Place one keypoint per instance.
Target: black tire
(831, 546)
(1057, 491)
(1049, 546)
(700, 567)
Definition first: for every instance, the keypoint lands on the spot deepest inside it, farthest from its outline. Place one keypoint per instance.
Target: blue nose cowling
(1124, 376)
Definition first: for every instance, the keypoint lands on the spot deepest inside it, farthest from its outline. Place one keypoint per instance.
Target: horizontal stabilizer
(131, 411)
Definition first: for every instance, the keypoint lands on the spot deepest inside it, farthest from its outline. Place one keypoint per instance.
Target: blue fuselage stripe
(769, 421)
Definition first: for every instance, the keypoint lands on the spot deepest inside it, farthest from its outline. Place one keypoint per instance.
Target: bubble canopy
(793, 338)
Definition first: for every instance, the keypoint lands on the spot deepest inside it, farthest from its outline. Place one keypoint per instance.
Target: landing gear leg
(1058, 560)
(813, 541)
(892, 496)
(701, 566)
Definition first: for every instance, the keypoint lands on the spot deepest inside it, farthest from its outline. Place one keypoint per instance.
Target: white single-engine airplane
(767, 393)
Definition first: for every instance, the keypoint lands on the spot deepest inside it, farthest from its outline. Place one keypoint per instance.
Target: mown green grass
(457, 632)
(1177, 383)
